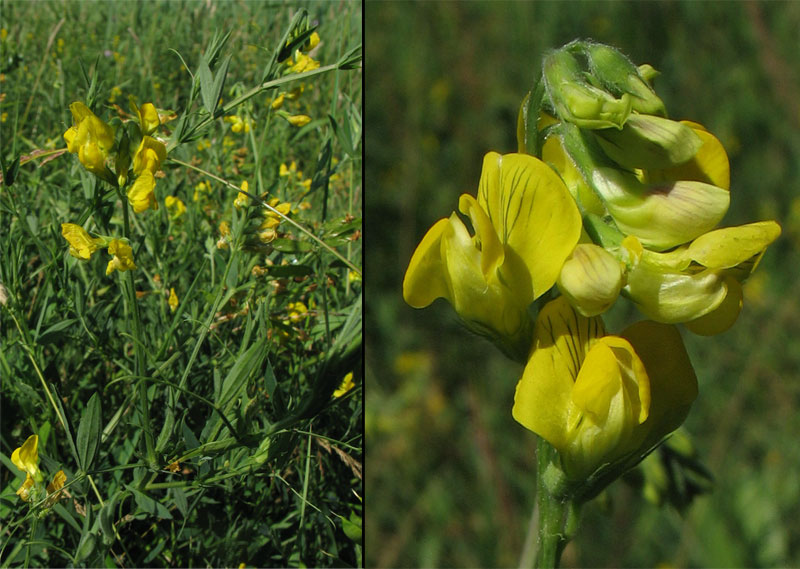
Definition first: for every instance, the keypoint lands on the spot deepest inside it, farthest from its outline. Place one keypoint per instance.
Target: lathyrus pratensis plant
(127, 156)
(606, 197)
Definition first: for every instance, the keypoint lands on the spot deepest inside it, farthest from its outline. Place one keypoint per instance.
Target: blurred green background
(451, 476)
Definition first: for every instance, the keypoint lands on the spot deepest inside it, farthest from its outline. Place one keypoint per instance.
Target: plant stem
(138, 346)
(557, 516)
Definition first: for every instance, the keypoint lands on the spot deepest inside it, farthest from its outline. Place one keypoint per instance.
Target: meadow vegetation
(180, 284)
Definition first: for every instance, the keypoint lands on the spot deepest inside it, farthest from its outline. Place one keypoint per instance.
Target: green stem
(129, 287)
(557, 516)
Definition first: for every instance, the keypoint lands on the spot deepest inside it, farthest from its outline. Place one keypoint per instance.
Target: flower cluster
(606, 197)
(136, 157)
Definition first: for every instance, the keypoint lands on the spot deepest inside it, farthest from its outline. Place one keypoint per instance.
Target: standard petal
(534, 216)
(544, 394)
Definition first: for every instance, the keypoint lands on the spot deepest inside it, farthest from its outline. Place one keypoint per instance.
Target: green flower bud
(649, 142)
(617, 73)
(577, 101)
(591, 279)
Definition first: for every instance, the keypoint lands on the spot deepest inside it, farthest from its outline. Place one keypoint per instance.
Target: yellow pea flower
(602, 401)
(238, 124)
(123, 257)
(241, 199)
(148, 118)
(81, 244)
(54, 489)
(141, 194)
(173, 300)
(149, 156)
(346, 385)
(90, 138)
(302, 62)
(26, 458)
(175, 206)
(225, 235)
(278, 102)
(491, 278)
(298, 120)
(700, 283)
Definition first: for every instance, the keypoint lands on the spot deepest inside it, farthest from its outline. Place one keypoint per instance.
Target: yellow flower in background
(346, 385)
(54, 489)
(302, 63)
(313, 41)
(200, 189)
(123, 257)
(239, 124)
(297, 310)
(278, 102)
(175, 206)
(81, 244)
(90, 138)
(298, 120)
(242, 199)
(173, 300)
(285, 170)
(602, 400)
(225, 235)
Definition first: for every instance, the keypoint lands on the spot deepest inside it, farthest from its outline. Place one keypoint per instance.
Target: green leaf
(352, 527)
(207, 86)
(149, 505)
(89, 433)
(219, 81)
(10, 173)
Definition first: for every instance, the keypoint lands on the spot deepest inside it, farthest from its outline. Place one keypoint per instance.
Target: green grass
(454, 472)
(233, 388)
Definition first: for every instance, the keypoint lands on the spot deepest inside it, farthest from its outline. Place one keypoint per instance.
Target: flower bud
(649, 142)
(660, 215)
(591, 279)
(579, 102)
(617, 73)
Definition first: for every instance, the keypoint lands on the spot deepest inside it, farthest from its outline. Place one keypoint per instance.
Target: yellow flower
(285, 170)
(54, 488)
(149, 156)
(491, 278)
(699, 283)
(303, 62)
(239, 125)
(175, 206)
(199, 189)
(26, 458)
(313, 41)
(123, 257)
(278, 102)
(346, 385)
(242, 199)
(81, 244)
(602, 401)
(90, 138)
(225, 235)
(148, 117)
(298, 120)
(141, 194)
(173, 300)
